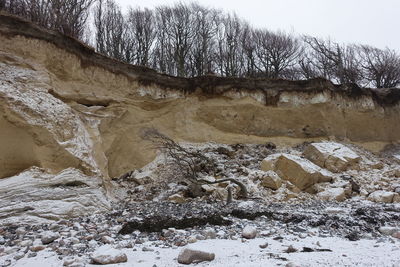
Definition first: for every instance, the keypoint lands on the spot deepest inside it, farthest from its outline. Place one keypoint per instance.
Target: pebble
(26, 243)
(107, 240)
(48, 237)
(249, 232)
(108, 255)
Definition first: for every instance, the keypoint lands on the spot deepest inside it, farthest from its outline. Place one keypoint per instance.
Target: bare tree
(249, 51)
(228, 56)
(203, 45)
(141, 27)
(111, 31)
(276, 52)
(192, 163)
(67, 16)
(380, 67)
(337, 62)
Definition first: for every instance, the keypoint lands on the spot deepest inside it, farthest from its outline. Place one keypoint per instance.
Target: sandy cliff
(62, 105)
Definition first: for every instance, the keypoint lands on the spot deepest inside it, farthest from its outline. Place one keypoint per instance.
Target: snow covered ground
(248, 253)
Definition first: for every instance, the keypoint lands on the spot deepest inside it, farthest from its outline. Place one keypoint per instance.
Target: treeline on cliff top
(190, 40)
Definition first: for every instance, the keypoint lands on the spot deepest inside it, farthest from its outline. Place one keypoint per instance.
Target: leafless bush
(191, 162)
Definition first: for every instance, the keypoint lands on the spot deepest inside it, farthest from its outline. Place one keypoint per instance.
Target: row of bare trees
(66, 16)
(191, 40)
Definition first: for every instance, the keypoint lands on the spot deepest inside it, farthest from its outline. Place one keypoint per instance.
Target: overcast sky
(373, 22)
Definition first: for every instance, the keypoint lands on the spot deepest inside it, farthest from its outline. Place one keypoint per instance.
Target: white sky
(373, 22)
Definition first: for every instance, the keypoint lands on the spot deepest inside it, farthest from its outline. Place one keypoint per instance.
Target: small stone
(20, 231)
(37, 248)
(381, 196)
(396, 235)
(188, 256)
(249, 232)
(271, 180)
(107, 240)
(291, 249)
(146, 249)
(209, 234)
(19, 255)
(192, 239)
(330, 210)
(32, 254)
(26, 243)
(388, 230)
(48, 237)
(292, 264)
(108, 255)
(265, 245)
(177, 198)
(333, 194)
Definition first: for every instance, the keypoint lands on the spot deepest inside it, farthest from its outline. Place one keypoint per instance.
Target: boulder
(333, 194)
(108, 255)
(188, 256)
(381, 196)
(249, 232)
(271, 180)
(268, 164)
(36, 196)
(299, 171)
(332, 156)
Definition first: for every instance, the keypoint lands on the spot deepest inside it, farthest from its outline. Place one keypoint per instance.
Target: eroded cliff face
(62, 105)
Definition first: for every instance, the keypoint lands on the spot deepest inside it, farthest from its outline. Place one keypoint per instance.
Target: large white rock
(332, 156)
(333, 194)
(382, 196)
(36, 196)
(299, 171)
(108, 255)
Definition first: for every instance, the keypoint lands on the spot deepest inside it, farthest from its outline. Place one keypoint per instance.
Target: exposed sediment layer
(63, 105)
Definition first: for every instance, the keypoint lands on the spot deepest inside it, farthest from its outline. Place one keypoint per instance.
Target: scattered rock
(396, 235)
(108, 255)
(332, 156)
(271, 180)
(37, 248)
(192, 239)
(26, 243)
(249, 232)
(188, 256)
(291, 249)
(353, 236)
(48, 237)
(107, 240)
(265, 245)
(209, 233)
(19, 255)
(177, 198)
(333, 194)
(387, 230)
(381, 196)
(396, 198)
